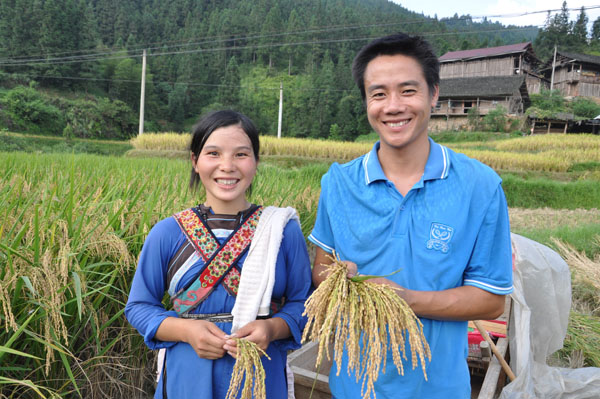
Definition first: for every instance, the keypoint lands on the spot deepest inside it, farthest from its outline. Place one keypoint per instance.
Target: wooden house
(459, 95)
(575, 74)
(510, 60)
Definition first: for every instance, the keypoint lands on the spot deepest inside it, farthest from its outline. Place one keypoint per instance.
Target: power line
(71, 60)
(22, 60)
(228, 38)
(137, 82)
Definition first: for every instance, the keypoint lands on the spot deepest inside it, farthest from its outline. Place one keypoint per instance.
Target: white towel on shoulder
(258, 273)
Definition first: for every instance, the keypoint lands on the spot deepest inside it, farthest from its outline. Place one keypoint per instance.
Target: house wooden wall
(535, 84)
(577, 80)
(462, 106)
(498, 66)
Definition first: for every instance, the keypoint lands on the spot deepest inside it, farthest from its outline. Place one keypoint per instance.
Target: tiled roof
(484, 52)
(487, 86)
(592, 59)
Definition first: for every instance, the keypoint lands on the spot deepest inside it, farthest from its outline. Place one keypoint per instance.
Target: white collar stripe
(445, 170)
(366, 167)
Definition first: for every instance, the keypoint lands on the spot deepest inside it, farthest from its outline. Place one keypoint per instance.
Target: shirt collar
(437, 166)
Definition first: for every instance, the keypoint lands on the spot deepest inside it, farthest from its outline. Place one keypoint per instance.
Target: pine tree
(229, 90)
(579, 38)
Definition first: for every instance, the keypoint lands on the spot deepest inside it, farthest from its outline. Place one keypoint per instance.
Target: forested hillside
(202, 55)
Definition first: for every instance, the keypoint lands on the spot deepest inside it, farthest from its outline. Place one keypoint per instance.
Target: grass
(53, 144)
(540, 193)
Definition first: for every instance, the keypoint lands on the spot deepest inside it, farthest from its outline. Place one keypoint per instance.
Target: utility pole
(553, 65)
(143, 93)
(280, 110)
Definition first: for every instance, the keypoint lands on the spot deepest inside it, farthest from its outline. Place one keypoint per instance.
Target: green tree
(595, 36)
(126, 80)
(579, 36)
(229, 90)
(585, 108)
(546, 104)
(177, 105)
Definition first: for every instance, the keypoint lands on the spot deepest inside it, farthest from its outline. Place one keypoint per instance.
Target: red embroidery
(207, 245)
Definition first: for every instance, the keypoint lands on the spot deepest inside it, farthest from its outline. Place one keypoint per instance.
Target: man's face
(398, 101)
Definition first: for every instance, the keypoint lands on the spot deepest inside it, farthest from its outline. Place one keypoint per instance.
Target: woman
(230, 267)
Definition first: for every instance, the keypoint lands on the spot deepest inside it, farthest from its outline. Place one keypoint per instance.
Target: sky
(506, 11)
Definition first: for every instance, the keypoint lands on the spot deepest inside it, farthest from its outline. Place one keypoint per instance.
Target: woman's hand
(206, 339)
(261, 332)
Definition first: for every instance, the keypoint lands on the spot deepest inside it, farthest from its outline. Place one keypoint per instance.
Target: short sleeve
(490, 266)
(322, 234)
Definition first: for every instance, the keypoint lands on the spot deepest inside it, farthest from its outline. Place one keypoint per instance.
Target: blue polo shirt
(450, 230)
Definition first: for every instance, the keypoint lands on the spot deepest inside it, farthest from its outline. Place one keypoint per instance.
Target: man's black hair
(398, 44)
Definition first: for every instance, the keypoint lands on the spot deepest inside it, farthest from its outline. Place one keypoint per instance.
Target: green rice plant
(538, 193)
(71, 228)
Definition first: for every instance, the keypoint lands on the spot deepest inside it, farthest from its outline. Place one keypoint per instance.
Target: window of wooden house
(438, 106)
(455, 105)
(468, 106)
(516, 65)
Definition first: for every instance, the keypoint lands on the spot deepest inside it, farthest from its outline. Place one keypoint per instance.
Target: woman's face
(226, 166)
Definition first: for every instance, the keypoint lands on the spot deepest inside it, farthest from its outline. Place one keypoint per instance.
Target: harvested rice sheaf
(249, 370)
(355, 313)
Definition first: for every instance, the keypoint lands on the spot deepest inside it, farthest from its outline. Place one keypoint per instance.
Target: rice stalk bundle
(367, 319)
(249, 370)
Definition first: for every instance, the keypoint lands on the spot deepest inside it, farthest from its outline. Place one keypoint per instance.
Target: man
(414, 205)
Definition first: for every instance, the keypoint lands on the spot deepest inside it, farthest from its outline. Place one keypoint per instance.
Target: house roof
(484, 52)
(486, 86)
(591, 59)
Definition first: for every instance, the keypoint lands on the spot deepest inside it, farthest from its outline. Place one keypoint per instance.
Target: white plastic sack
(538, 325)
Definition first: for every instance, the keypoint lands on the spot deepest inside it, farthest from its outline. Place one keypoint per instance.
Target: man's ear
(435, 95)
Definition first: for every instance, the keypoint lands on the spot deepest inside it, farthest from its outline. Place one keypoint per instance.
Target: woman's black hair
(213, 121)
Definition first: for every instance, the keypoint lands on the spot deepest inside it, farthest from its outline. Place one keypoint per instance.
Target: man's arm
(461, 303)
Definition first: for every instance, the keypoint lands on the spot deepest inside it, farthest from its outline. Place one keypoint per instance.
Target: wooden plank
(302, 365)
(490, 326)
(495, 376)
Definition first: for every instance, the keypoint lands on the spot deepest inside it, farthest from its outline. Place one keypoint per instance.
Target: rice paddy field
(72, 226)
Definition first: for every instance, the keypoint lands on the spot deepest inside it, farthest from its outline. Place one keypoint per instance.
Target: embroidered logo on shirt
(439, 237)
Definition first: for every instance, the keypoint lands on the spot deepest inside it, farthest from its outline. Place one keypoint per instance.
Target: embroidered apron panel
(219, 259)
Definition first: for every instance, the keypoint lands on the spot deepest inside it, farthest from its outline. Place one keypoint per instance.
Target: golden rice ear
(366, 320)
(249, 369)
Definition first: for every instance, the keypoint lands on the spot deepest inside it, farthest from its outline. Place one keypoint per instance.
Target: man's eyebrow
(375, 87)
(406, 83)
